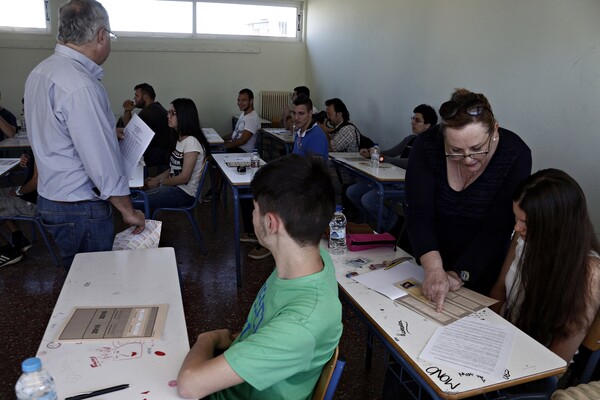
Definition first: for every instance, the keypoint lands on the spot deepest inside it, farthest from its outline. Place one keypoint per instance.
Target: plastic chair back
(330, 377)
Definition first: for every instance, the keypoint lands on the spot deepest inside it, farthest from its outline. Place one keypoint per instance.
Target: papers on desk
(471, 344)
(383, 280)
(137, 138)
(147, 239)
(110, 323)
(6, 164)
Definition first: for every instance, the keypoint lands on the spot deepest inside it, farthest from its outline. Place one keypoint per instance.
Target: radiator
(272, 104)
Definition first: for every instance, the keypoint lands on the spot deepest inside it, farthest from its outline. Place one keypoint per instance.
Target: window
(185, 18)
(25, 16)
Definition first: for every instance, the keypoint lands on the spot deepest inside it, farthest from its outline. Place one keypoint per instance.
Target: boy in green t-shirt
(295, 323)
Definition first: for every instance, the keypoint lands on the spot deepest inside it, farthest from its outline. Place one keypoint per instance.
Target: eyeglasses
(112, 36)
(476, 155)
(473, 107)
(171, 113)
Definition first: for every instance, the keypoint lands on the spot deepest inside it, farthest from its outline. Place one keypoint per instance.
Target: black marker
(94, 393)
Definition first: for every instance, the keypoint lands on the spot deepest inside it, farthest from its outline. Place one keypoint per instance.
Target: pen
(99, 392)
(397, 261)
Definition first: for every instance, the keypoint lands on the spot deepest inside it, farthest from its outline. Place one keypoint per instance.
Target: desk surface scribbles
(408, 333)
(119, 278)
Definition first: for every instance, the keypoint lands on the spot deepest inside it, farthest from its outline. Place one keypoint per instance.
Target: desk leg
(236, 233)
(369, 350)
(213, 190)
(381, 193)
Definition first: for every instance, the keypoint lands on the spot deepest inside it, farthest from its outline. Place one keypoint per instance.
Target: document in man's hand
(110, 323)
(137, 138)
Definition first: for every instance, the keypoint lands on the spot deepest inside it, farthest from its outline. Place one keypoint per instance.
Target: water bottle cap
(338, 208)
(31, 365)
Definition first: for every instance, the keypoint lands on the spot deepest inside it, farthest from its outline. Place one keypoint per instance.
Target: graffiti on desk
(436, 372)
(403, 328)
(506, 374)
(472, 374)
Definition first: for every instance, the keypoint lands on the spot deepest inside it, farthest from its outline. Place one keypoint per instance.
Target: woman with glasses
(549, 286)
(177, 186)
(460, 178)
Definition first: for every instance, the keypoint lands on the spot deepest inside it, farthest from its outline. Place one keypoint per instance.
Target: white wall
(538, 62)
(209, 72)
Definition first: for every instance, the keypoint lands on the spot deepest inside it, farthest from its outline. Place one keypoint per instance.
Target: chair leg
(197, 232)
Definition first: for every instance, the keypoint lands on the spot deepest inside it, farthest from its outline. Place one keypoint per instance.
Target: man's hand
(436, 286)
(120, 133)
(365, 153)
(135, 218)
(128, 105)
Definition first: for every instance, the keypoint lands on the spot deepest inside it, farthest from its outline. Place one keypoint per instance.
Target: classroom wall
(538, 62)
(211, 72)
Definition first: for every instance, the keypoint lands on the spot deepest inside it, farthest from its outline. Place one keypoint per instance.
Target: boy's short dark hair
(249, 92)
(304, 99)
(302, 90)
(299, 190)
(428, 113)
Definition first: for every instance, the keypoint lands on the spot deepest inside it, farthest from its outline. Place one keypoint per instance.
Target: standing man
(295, 323)
(365, 197)
(73, 136)
(8, 122)
(243, 138)
(344, 136)
(309, 137)
(154, 115)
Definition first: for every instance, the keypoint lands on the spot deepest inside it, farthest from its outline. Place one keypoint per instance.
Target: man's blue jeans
(78, 227)
(366, 200)
(163, 196)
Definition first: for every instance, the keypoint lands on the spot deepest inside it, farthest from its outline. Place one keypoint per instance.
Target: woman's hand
(436, 286)
(455, 282)
(151, 183)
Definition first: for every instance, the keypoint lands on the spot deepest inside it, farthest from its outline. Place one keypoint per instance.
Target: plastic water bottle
(254, 162)
(375, 156)
(35, 383)
(337, 232)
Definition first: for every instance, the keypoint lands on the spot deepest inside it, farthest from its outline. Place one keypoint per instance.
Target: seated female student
(177, 186)
(549, 285)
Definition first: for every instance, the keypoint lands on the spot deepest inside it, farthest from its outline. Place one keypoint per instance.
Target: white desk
(388, 178)
(20, 140)
(405, 334)
(118, 278)
(240, 186)
(7, 164)
(214, 139)
(282, 136)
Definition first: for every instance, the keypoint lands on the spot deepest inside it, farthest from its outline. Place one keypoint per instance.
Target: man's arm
(128, 107)
(201, 372)
(6, 128)
(130, 215)
(240, 141)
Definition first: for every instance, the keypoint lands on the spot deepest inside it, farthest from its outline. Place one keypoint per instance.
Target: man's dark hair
(304, 99)
(320, 117)
(428, 113)
(299, 190)
(147, 90)
(339, 107)
(248, 92)
(302, 90)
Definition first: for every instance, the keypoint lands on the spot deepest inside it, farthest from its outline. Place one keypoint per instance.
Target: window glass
(246, 19)
(23, 14)
(150, 16)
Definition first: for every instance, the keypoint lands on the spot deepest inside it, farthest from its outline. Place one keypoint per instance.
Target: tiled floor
(29, 289)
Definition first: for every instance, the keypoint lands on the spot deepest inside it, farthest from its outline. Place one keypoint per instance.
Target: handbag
(364, 241)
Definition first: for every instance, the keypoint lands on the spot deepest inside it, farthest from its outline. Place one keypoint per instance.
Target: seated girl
(549, 285)
(177, 186)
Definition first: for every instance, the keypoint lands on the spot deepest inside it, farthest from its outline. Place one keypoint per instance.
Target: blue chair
(189, 210)
(330, 377)
(36, 221)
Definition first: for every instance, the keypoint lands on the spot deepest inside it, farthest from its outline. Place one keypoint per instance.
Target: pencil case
(365, 241)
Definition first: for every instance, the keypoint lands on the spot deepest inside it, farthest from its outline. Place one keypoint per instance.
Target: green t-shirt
(291, 331)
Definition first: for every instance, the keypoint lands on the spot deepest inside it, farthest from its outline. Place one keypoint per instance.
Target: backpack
(363, 142)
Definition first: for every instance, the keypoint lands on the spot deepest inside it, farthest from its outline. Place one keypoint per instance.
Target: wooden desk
(118, 278)
(388, 179)
(240, 186)
(405, 333)
(279, 135)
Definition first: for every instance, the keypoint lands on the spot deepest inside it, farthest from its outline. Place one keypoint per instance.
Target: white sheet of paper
(137, 138)
(471, 344)
(382, 280)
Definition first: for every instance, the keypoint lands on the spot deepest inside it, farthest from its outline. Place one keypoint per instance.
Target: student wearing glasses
(177, 186)
(459, 184)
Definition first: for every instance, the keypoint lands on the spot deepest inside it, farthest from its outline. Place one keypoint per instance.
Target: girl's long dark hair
(188, 123)
(555, 267)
